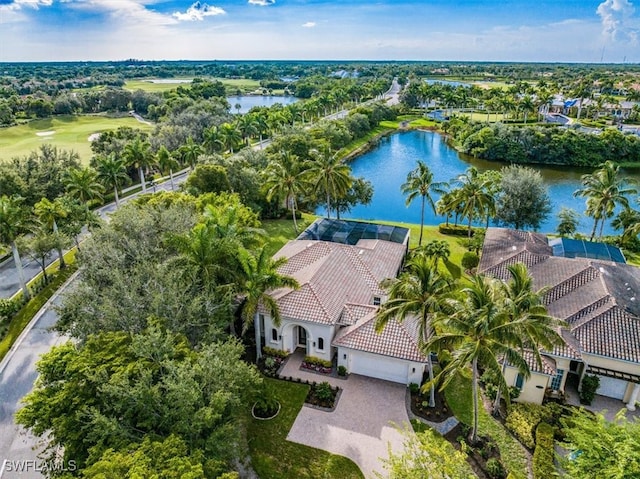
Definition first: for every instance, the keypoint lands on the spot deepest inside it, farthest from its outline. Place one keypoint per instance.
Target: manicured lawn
(272, 456)
(513, 454)
(281, 231)
(232, 84)
(382, 129)
(69, 133)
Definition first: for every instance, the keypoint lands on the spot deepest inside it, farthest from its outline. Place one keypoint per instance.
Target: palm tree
(230, 136)
(212, 139)
(166, 162)
(248, 127)
(259, 275)
(604, 190)
(477, 333)
(328, 175)
(83, 184)
(527, 106)
(420, 183)
(49, 212)
(112, 171)
(285, 178)
(473, 197)
(137, 154)
(435, 250)
(419, 292)
(525, 308)
(190, 152)
(14, 221)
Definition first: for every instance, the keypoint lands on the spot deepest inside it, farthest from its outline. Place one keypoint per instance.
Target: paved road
(9, 284)
(17, 375)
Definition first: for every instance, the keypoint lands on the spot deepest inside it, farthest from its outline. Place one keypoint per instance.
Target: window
(519, 381)
(321, 343)
(376, 300)
(557, 380)
(261, 325)
(274, 335)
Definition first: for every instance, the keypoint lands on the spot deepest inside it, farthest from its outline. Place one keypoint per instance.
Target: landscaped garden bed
(420, 405)
(483, 456)
(323, 396)
(317, 365)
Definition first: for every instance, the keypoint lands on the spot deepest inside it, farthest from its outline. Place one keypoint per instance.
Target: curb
(5, 361)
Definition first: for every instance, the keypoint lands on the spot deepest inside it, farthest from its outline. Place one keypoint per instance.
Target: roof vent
(514, 247)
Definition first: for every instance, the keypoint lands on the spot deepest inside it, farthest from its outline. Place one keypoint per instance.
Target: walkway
(363, 424)
(601, 404)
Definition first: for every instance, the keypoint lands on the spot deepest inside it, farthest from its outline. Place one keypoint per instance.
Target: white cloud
(617, 18)
(16, 5)
(133, 12)
(198, 11)
(262, 3)
(309, 24)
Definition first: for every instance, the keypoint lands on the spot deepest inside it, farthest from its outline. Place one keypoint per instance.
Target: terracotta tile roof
(351, 313)
(598, 299)
(332, 275)
(398, 340)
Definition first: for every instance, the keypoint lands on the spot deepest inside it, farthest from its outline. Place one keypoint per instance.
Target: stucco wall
(412, 371)
(287, 340)
(533, 388)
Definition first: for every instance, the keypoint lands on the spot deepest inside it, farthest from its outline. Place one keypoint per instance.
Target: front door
(302, 337)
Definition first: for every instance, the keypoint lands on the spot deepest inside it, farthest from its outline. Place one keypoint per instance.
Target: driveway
(362, 425)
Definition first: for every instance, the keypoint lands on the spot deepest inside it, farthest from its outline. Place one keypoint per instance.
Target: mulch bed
(477, 455)
(420, 407)
(314, 400)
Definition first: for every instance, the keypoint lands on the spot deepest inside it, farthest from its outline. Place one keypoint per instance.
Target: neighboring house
(339, 266)
(595, 292)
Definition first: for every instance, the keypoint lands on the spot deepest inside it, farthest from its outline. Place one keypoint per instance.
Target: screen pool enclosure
(350, 232)
(575, 248)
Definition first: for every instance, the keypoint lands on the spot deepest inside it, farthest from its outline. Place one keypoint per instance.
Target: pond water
(387, 166)
(247, 102)
(453, 83)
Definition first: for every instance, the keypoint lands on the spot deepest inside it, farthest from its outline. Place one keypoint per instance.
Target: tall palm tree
(477, 333)
(137, 154)
(329, 176)
(248, 127)
(259, 275)
(285, 178)
(83, 184)
(190, 152)
(420, 293)
(212, 139)
(525, 308)
(230, 136)
(166, 162)
(49, 212)
(112, 172)
(14, 221)
(436, 251)
(473, 196)
(420, 183)
(604, 190)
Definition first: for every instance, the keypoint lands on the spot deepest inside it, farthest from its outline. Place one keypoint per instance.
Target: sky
(446, 30)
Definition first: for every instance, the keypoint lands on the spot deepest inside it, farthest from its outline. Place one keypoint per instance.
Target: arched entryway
(296, 337)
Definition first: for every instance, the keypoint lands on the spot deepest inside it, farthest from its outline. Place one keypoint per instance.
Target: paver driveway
(362, 425)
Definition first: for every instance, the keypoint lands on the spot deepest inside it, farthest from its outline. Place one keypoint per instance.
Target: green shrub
(278, 353)
(470, 260)
(314, 361)
(342, 371)
(495, 469)
(454, 230)
(543, 457)
(324, 391)
(522, 420)
(414, 388)
(9, 308)
(590, 385)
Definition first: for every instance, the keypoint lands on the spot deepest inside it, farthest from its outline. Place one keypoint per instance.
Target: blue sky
(464, 30)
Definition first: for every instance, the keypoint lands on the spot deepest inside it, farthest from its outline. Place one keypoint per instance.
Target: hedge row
(278, 353)
(543, 457)
(455, 230)
(314, 361)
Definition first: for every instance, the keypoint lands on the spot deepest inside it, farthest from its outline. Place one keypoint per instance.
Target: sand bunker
(45, 133)
(93, 136)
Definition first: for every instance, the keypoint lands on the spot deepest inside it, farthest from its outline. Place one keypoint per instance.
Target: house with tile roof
(339, 266)
(596, 293)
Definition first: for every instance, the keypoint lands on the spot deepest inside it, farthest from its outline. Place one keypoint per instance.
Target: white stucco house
(595, 292)
(339, 266)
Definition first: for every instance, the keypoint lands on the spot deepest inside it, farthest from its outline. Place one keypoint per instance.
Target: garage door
(379, 367)
(611, 387)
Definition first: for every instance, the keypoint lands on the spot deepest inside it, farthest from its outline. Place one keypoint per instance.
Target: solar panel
(350, 232)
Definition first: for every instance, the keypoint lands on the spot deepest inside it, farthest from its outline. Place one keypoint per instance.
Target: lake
(387, 166)
(247, 102)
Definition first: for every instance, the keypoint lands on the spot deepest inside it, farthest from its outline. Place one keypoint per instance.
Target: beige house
(339, 266)
(596, 293)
